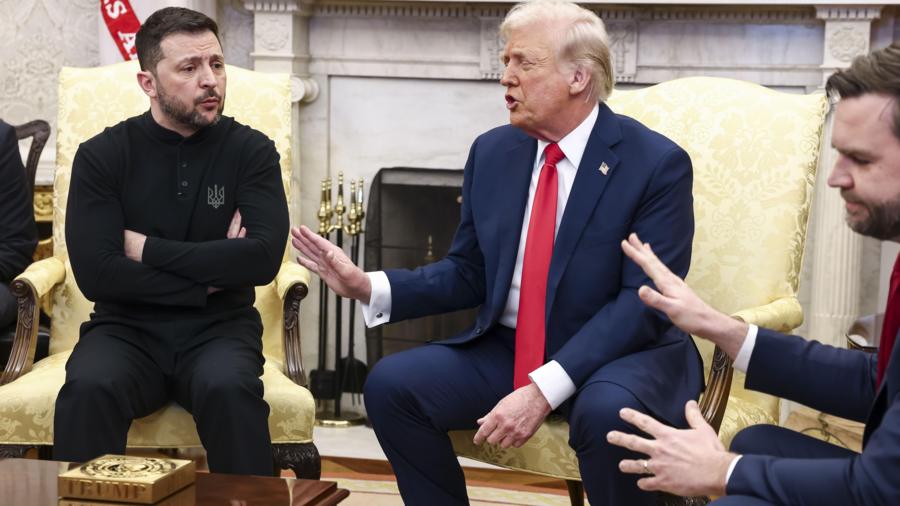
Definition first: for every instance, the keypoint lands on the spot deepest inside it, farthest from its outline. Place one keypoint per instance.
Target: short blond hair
(585, 42)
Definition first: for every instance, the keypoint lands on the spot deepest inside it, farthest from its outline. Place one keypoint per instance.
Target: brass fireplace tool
(349, 372)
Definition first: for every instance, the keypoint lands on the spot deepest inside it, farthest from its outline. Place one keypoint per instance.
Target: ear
(579, 81)
(147, 82)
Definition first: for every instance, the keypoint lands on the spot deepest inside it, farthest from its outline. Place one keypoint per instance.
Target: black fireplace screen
(411, 217)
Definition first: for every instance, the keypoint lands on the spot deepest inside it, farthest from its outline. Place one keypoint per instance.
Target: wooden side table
(28, 482)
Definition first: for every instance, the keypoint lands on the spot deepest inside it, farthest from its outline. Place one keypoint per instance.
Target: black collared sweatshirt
(182, 193)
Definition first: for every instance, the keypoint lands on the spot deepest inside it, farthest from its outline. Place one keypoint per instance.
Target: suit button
(478, 331)
(183, 164)
(184, 184)
(379, 315)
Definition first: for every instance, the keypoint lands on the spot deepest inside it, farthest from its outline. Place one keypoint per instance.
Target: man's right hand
(331, 264)
(676, 299)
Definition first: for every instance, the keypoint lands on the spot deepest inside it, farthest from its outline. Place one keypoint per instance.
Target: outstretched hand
(331, 264)
(676, 299)
(689, 462)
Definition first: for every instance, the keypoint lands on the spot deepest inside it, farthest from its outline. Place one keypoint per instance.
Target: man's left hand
(514, 419)
(689, 462)
(134, 245)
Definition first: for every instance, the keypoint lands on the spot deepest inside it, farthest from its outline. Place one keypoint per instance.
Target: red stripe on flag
(123, 25)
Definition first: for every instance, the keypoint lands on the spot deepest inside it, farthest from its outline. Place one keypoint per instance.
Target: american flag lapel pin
(604, 168)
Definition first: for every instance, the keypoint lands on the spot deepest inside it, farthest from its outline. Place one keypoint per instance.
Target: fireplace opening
(411, 217)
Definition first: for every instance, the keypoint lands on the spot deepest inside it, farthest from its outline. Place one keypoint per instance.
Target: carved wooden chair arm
(783, 315)
(292, 283)
(28, 288)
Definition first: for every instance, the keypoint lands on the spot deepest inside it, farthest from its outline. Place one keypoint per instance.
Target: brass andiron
(323, 382)
(331, 221)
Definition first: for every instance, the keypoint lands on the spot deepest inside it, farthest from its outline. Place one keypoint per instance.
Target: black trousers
(122, 369)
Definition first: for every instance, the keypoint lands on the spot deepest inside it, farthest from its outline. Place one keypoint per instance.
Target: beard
(882, 222)
(187, 116)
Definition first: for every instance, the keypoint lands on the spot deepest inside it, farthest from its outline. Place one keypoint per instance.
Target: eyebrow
(194, 59)
(855, 152)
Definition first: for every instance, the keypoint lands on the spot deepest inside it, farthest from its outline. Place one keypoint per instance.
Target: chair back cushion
(754, 153)
(91, 99)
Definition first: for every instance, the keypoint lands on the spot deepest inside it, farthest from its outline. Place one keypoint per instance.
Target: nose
(840, 173)
(508, 78)
(207, 78)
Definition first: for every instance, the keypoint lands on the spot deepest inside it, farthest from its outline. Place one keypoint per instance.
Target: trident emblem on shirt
(215, 196)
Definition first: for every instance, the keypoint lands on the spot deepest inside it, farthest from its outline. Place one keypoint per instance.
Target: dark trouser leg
(593, 413)
(8, 307)
(218, 380)
(780, 442)
(109, 382)
(414, 397)
(740, 500)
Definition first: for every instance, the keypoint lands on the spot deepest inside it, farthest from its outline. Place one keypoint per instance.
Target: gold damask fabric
(754, 153)
(90, 100)
(27, 407)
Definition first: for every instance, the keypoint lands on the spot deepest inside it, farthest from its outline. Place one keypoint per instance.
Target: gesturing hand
(676, 299)
(331, 264)
(687, 462)
(514, 419)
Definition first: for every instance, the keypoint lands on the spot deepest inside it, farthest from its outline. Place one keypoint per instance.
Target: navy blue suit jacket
(840, 382)
(597, 327)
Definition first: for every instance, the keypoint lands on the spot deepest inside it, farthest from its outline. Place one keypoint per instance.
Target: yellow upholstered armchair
(90, 100)
(755, 153)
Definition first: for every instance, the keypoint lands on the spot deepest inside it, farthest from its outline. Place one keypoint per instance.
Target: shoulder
(638, 136)
(111, 138)
(246, 135)
(502, 135)
(7, 132)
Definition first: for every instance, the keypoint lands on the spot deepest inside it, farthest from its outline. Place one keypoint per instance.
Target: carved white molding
(491, 46)
(623, 49)
(281, 43)
(272, 32)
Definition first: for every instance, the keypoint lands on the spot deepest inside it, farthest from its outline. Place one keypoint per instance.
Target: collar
(575, 142)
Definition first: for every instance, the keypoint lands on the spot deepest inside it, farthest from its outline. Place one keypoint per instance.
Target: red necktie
(530, 332)
(891, 323)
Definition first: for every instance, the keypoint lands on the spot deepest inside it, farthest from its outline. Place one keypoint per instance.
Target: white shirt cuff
(552, 380)
(378, 310)
(731, 469)
(742, 360)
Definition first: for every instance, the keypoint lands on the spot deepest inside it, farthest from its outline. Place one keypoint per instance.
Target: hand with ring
(689, 462)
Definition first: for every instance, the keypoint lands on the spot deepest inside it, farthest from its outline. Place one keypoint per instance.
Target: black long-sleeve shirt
(18, 234)
(182, 193)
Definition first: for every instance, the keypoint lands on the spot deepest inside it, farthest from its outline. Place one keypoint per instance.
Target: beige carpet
(384, 493)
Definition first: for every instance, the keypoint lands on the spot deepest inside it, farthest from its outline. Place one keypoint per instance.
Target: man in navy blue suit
(770, 465)
(546, 201)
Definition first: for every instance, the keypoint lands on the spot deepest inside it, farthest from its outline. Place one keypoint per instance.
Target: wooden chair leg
(302, 458)
(576, 492)
(664, 499)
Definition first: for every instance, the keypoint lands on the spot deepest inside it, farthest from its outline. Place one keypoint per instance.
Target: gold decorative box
(126, 479)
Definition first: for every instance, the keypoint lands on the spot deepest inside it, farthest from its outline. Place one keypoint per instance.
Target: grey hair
(585, 43)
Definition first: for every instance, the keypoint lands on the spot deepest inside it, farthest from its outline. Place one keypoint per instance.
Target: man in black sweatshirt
(18, 235)
(173, 217)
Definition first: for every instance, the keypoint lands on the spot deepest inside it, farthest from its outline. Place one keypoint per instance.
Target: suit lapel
(511, 196)
(587, 188)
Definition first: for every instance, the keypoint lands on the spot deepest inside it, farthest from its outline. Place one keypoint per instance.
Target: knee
(595, 414)
(751, 438)
(221, 387)
(387, 382)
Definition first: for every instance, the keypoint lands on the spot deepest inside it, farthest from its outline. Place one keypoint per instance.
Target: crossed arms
(114, 264)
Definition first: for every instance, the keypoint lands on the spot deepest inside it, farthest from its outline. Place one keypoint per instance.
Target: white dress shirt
(552, 380)
(741, 363)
